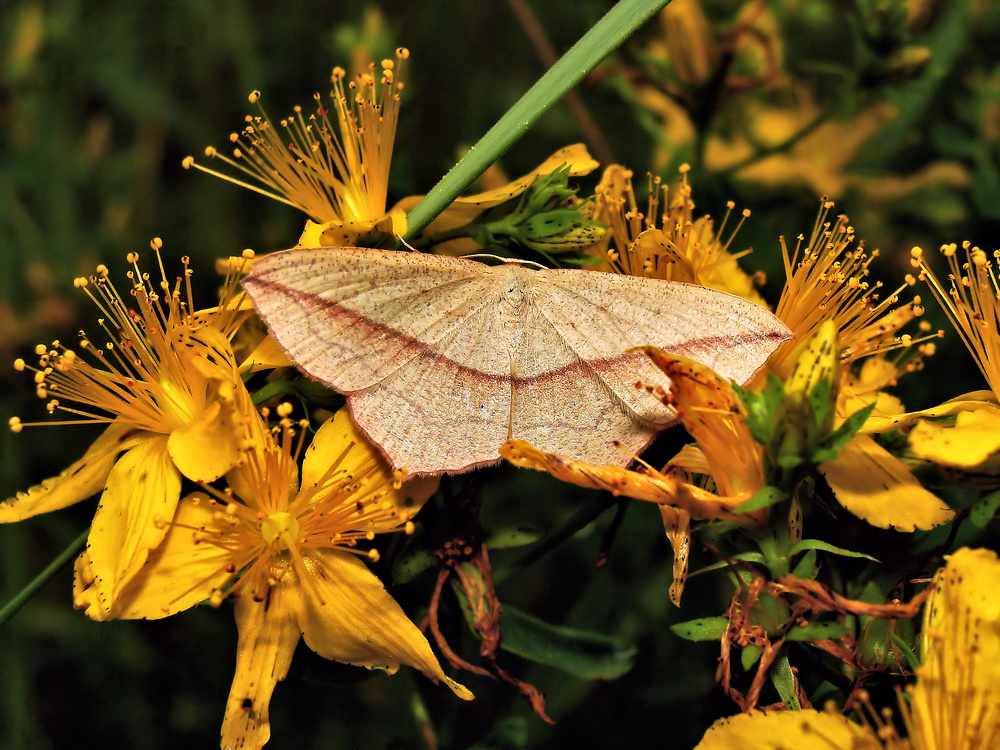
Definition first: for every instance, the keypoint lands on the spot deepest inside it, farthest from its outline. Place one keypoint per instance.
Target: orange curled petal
(654, 487)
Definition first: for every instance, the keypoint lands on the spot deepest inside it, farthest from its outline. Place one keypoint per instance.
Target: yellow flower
(819, 149)
(827, 279)
(972, 303)
(670, 245)
(335, 170)
(954, 704)
(289, 554)
(167, 386)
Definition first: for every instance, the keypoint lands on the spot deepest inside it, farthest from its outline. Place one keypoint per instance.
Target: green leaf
(806, 567)
(763, 498)
(511, 734)
(817, 631)
(749, 656)
(702, 629)
(581, 653)
(843, 434)
(826, 547)
(904, 650)
(783, 679)
(512, 537)
(984, 510)
(411, 563)
(603, 38)
(754, 557)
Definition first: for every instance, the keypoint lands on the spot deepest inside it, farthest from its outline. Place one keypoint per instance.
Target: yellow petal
(85, 595)
(713, 415)
(876, 486)
(81, 480)
(132, 518)
(269, 633)
(974, 401)
(691, 459)
(208, 446)
(955, 702)
(576, 157)
(181, 571)
(339, 442)
(347, 233)
(970, 441)
(779, 730)
(348, 615)
(266, 356)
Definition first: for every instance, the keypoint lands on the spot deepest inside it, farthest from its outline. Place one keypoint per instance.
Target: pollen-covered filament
(282, 526)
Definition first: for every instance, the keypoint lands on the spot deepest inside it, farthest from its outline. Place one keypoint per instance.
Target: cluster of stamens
(270, 529)
(138, 376)
(687, 247)
(971, 301)
(332, 169)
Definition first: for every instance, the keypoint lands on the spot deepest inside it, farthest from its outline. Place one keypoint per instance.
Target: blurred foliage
(890, 107)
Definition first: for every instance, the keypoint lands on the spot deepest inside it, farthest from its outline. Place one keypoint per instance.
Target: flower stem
(42, 578)
(604, 37)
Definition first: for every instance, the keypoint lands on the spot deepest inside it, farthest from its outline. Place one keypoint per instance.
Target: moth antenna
(506, 260)
(399, 238)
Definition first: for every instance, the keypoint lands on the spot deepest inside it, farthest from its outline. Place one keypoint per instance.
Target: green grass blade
(603, 38)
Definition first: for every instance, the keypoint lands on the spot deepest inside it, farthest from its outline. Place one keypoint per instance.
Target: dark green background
(95, 118)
